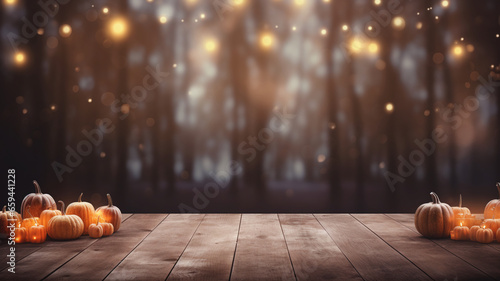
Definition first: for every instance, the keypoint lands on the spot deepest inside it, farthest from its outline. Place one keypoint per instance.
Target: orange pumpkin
(473, 231)
(493, 224)
(37, 202)
(8, 218)
(84, 210)
(110, 214)
(460, 233)
(37, 234)
(107, 228)
(29, 222)
(21, 234)
(484, 235)
(65, 227)
(95, 230)
(46, 215)
(492, 209)
(460, 212)
(434, 219)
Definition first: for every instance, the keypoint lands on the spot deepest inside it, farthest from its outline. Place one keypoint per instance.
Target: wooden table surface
(257, 247)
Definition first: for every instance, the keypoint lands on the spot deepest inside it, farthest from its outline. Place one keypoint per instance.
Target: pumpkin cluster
(439, 220)
(40, 218)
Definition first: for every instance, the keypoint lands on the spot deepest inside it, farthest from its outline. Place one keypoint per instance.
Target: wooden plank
(47, 257)
(261, 246)
(481, 256)
(420, 251)
(372, 257)
(155, 257)
(209, 254)
(96, 261)
(313, 253)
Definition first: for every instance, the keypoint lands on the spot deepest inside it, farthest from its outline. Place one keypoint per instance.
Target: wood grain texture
(209, 254)
(372, 257)
(261, 253)
(155, 257)
(313, 253)
(481, 256)
(96, 261)
(420, 251)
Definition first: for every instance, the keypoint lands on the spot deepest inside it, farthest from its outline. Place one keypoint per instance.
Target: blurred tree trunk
(333, 107)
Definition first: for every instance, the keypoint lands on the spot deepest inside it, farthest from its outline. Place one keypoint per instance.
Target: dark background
(230, 70)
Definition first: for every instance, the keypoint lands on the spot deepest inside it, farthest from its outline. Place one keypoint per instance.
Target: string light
(398, 23)
(356, 45)
(118, 28)
(10, 2)
(345, 27)
(163, 19)
(202, 16)
(458, 51)
(19, 58)
(211, 45)
(299, 2)
(266, 40)
(377, 2)
(389, 107)
(323, 31)
(65, 30)
(373, 48)
(105, 10)
(445, 3)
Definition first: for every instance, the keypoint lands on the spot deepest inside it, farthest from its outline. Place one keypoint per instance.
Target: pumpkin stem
(37, 187)
(80, 197)
(435, 198)
(63, 207)
(460, 202)
(98, 220)
(110, 201)
(3, 210)
(29, 213)
(498, 187)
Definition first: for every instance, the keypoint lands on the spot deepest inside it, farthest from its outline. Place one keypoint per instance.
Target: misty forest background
(224, 84)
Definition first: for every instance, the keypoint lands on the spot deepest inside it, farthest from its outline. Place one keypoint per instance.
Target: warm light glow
(89, 100)
(345, 27)
(105, 10)
(65, 30)
(323, 31)
(398, 23)
(460, 223)
(356, 45)
(445, 3)
(373, 48)
(266, 40)
(299, 2)
(377, 2)
(237, 2)
(419, 25)
(118, 28)
(210, 45)
(202, 16)
(458, 51)
(19, 58)
(163, 19)
(389, 107)
(10, 2)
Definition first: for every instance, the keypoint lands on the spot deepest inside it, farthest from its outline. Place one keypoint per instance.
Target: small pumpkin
(434, 219)
(107, 228)
(84, 210)
(37, 234)
(484, 235)
(460, 233)
(95, 230)
(460, 212)
(21, 234)
(492, 209)
(493, 224)
(110, 214)
(65, 227)
(37, 202)
(473, 231)
(29, 222)
(8, 218)
(46, 215)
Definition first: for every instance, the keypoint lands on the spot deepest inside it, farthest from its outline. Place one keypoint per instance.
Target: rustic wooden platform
(257, 247)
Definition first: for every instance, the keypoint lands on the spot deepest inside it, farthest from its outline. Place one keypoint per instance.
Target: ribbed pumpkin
(37, 202)
(95, 230)
(493, 224)
(65, 227)
(7, 218)
(492, 209)
(460, 210)
(21, 234)
(37, 234)
(46, 215)
(84, 210)
(473, 231)
(110, 214)
(460, 233)
(29, 222)
(107, 228)
(485, 235)
(434, 219)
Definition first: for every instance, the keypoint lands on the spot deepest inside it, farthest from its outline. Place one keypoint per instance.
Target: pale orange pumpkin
(492, 209)
(484, 235)
(37, 234)
(434, 219)
(493, 224)
(460, 212)
(21, 234)
(107, 228)
(37, 202)
(29, 222)
(95, 230)
(473, 231)
(46, 215)
(8, 218)
(65, 227)
(110, 214)
(460, 233)
(84, 210)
